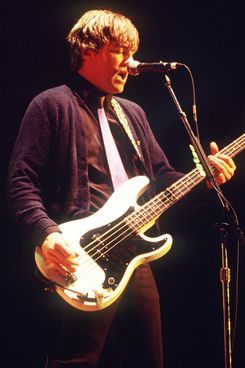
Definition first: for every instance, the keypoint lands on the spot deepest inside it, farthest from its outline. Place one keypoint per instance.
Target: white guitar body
(103, 273)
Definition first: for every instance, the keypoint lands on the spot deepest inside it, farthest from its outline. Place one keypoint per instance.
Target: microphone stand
(223, 228)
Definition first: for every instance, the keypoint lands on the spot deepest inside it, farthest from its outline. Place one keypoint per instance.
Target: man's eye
(118, 50)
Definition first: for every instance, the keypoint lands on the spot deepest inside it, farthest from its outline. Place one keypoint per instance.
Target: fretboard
(164, 200)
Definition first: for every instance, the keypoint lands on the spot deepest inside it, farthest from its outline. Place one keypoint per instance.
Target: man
(59, 172)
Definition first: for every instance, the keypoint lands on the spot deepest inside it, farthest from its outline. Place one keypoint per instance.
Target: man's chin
(118, 89)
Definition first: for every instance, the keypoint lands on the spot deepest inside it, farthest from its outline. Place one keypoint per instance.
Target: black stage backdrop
(209, 38)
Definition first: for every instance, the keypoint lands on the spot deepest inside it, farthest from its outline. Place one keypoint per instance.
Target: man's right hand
(56, 251)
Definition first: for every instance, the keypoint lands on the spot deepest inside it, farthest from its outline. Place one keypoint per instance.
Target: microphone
(135, 67)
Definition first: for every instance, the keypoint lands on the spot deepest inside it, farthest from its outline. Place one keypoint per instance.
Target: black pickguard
(112, 251)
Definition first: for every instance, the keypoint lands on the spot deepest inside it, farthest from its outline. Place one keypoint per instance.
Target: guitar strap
(124, 122)
(136, 145)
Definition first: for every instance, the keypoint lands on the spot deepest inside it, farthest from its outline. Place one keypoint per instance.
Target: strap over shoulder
(124, 122)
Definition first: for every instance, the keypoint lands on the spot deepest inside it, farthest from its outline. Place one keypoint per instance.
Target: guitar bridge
(70, 278)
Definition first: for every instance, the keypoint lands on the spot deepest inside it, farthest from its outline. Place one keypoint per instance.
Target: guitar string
(131, 231)
(168, 190)
(92, 264)
(134, 215)
(129, 217)
(144, 208)
(127, 232)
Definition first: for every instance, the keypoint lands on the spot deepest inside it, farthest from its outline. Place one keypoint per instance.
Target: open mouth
(122, 75)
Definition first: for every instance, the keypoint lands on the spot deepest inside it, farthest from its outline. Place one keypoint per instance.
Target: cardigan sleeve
(29, 155)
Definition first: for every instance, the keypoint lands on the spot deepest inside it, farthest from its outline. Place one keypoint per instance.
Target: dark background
(209, 38)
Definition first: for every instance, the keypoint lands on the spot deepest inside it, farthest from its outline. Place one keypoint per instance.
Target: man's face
(107, 68)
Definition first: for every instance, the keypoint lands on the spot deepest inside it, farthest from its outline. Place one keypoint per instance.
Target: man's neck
(89, 93)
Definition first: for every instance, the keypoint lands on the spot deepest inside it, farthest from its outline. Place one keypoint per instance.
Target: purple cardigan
(47, 178)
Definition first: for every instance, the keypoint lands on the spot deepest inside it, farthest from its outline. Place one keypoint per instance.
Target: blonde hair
(98, 27)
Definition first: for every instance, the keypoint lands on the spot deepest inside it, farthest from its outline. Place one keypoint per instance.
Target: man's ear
(87, 54)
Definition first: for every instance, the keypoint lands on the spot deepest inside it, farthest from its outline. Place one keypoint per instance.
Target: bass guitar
(111, 243)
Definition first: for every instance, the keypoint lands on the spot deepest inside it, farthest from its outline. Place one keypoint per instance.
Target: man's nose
(127, 59)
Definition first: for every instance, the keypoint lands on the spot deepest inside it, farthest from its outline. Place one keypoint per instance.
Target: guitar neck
(156, 206)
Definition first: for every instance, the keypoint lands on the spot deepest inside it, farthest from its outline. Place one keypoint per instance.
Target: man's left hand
(224, 165)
